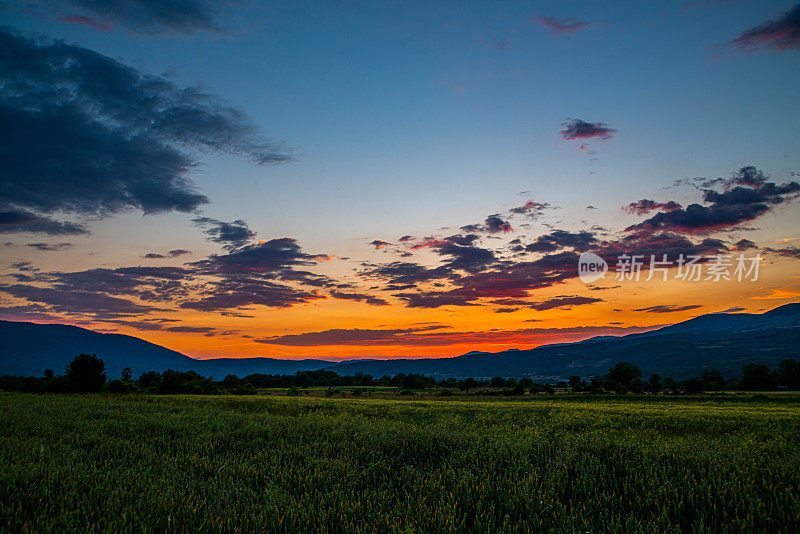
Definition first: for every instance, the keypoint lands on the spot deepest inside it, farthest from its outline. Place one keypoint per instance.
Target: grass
(272, 463)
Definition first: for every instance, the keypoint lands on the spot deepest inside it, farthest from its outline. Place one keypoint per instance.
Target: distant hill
(29, 348)
(722, 341)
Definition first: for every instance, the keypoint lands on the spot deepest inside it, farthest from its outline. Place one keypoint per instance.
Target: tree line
(86, 373)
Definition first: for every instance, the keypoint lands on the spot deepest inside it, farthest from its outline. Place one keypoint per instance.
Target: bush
(122, 386)
(86, 373)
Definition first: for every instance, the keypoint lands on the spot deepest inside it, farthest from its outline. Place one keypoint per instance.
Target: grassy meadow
(106, 463)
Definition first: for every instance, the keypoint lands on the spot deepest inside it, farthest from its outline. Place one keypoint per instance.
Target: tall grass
(203, 464)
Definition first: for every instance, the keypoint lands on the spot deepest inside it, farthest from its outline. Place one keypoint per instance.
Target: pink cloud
(86, 21)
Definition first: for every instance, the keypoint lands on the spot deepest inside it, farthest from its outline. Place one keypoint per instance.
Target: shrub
(86, 373)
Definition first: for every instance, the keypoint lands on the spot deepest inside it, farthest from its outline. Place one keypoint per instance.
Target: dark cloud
(259, 274)
(530, 208)
(507, 280)
(97, 305)
(50, 247)
(163, 325)
(149, 17)
(748, 176)
(277, 256)
(466, 258)
(733, 310)
(575, 129)
(435, 336)
(459, 251)
(509, 283)
(231, 293)
(644, 206)
(560, 302)
(646, 244)
(404, 275)
(360, 297)
(789, 252)
(779, 35)
(668, 308)
(743, 244)
(230, 234)
(567, 26)
(493, 224)
(171, 254)
(559, 239)
(510, 302)
(726, 209)
(150, 284)
(83, 133)
(339, 336)
(190, 329)
(21, 221)
(379, 243)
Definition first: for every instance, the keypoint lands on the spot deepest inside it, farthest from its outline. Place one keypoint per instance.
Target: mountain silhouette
(27, 349)
(723, 341)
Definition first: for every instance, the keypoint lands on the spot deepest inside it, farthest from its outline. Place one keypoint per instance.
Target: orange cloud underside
(469, 328)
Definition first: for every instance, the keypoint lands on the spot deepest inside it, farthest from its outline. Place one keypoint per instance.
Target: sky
(394, 179)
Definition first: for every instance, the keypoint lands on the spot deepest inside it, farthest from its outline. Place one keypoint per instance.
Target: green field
(272, 463)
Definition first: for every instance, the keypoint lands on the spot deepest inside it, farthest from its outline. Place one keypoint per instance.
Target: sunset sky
(383, 179)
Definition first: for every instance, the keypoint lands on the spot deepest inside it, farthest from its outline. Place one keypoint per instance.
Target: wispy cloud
(149, 17)
(567, 26)
(778, 35)
(668, 308)
(577, 129)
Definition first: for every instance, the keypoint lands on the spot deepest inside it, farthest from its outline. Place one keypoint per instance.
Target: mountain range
(28, 349)
(723, 341)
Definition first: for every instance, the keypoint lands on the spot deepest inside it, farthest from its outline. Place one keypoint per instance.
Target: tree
(575, 383)
(654, 383)
(757, 377)
(789, 374)
(468, 384)
(150, 381)
(498, 382)
(86, 372)
(693, 386)
(304, 380)
(621, 375)
(526, 382)
(595, 383)
(670, 384)
(636, 385)
(712, 380)
(127, 375)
